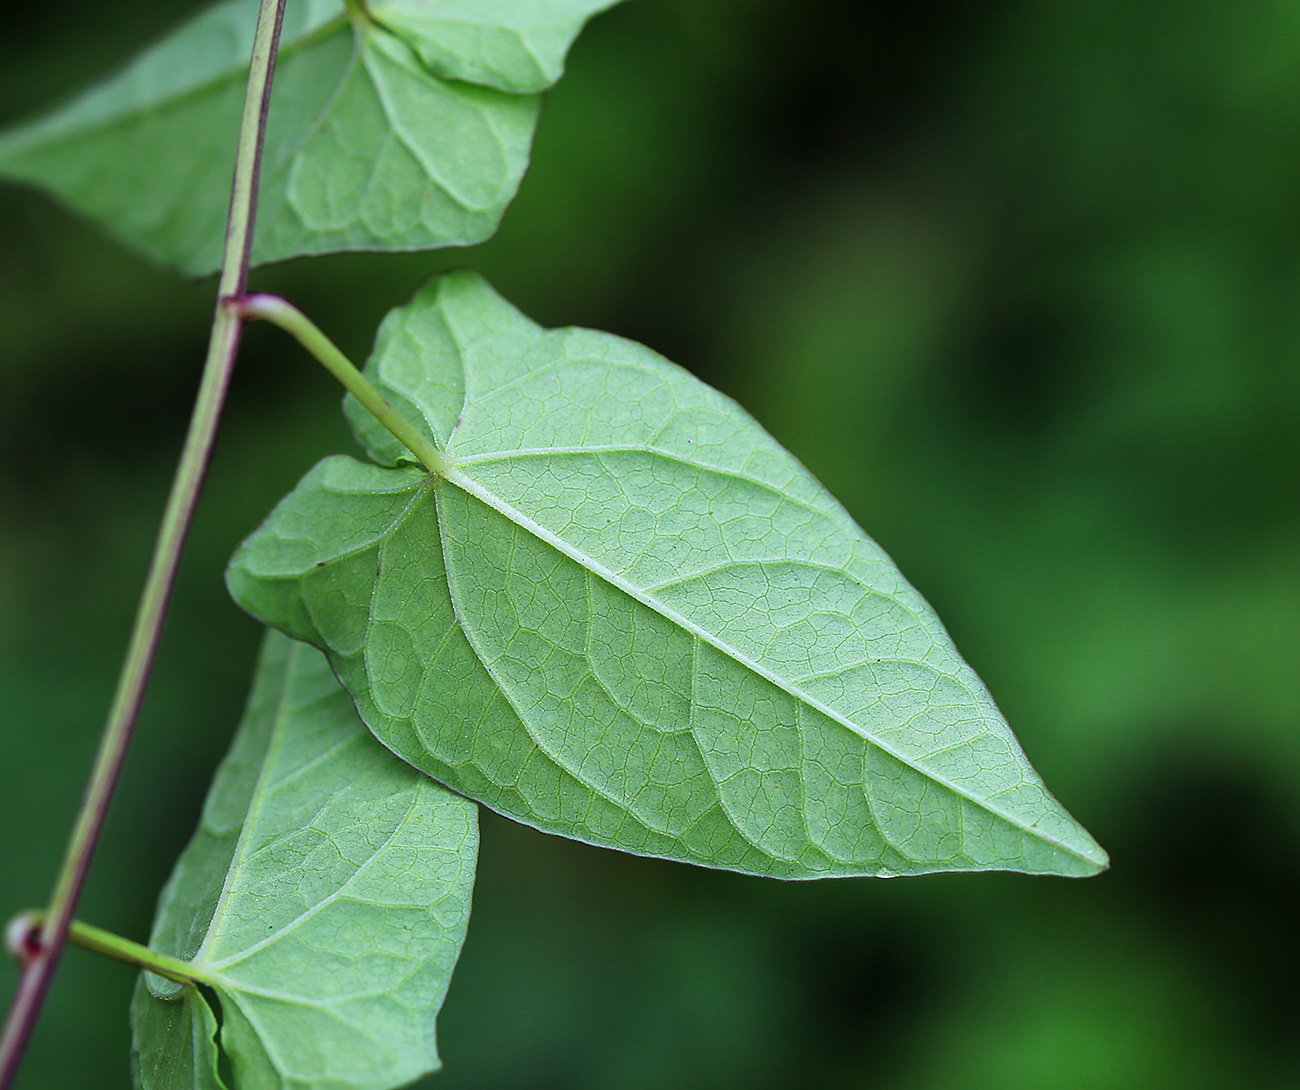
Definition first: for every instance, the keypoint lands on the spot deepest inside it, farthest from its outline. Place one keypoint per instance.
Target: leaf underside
(408, 132)
(628, 616)
(175, 1046)
(325, 896)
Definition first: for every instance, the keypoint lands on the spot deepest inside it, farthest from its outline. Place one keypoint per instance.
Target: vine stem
(223, 344)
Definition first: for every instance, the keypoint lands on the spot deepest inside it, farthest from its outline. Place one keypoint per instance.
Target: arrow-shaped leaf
(407, 130)
(630, 617)
(324, 898)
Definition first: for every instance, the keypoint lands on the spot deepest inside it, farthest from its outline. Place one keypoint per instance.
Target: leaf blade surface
(325, 898)
(378, 137)
(174, 1041)
(628, 616)
(500, 43)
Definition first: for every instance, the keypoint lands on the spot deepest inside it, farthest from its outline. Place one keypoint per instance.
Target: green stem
(223, 344)
(284, 314)
(358, 11)
(104, 942)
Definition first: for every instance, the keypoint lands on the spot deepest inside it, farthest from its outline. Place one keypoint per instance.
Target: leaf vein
(528, 524)
(320, 906)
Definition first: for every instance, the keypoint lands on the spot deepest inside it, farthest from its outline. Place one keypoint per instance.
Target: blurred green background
(1020, 282)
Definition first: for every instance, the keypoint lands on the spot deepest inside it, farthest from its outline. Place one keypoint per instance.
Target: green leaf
(324, 898)
(509, 44)
(380, 137)
(630, 617)
(175, 1045)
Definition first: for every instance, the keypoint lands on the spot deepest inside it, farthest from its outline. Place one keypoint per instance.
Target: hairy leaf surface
(630, 617)
(409, 131)
(325, 896)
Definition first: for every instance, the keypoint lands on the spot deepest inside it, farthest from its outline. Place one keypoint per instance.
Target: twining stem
(26, 926)
(227, 325)
(293, 321)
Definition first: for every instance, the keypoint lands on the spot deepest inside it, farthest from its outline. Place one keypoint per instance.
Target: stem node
(23, 937)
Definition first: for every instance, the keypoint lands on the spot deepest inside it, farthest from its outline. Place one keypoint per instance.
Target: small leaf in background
(379, 136)
(325, 897)
(630, 617)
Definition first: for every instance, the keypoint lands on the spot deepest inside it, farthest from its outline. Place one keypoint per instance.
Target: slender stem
(280, 312)
(25, 928)
(222, 346)
(358, 11)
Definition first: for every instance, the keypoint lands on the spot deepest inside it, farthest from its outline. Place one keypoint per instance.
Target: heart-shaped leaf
(628, 616)
(409, 129)
(324, 899)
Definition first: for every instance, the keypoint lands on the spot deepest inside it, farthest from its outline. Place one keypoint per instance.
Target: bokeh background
(1020, 282)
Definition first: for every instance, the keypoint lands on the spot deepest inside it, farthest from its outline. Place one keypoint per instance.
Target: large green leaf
(325, 898)
(407, 131)
(630, 617)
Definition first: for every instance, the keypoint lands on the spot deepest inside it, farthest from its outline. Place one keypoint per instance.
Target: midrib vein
(255, 803)
(473, 488)
(325, 902)
(453, 595)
